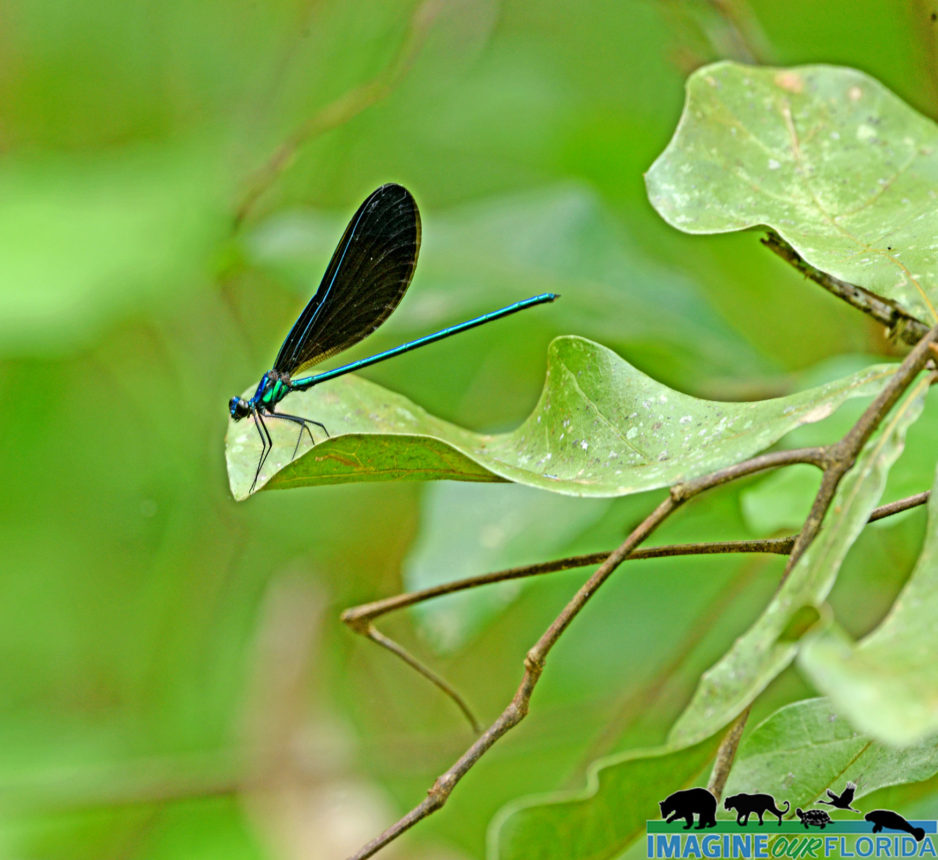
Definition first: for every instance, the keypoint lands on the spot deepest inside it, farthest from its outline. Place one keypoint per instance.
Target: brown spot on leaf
(791, 81)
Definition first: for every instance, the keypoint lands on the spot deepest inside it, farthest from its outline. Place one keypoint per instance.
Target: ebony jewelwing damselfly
(366, 279)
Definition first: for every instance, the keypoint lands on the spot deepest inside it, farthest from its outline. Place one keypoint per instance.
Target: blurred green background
(174, 679)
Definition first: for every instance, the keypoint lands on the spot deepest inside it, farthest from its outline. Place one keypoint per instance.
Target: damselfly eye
(238, 407)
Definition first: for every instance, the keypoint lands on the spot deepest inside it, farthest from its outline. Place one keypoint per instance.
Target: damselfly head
(239, 408)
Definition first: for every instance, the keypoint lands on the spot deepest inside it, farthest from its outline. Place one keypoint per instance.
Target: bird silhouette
(844, 799)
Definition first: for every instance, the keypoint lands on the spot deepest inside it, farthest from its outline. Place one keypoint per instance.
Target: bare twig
(361, 618)
(843, 454)
(841, 458)
(726, 755)
(901, 325)
(379, 638)
(835, 460)
(343, 108)
(533, 666)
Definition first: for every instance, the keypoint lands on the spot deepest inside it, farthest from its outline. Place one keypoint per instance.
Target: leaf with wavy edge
(828, 157)
(887, 684)
(600, 428)
(772, 641)
(795, 754)
(607, 816)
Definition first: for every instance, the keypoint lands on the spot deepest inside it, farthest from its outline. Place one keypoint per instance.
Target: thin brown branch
(844, 453)
(900, 505)
(375, 635)
(815, 456)
(533, 666)
(357, 616)
(343, 109)
(902, 326)
(834, 460)
(360, 618)
(726, 755)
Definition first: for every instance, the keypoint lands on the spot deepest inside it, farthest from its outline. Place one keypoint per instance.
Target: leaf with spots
(837, 164)
(600, 428)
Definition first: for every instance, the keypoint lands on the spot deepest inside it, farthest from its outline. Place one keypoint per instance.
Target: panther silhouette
(754, 804)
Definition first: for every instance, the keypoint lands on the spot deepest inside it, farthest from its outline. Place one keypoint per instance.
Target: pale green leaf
(600, 428)
(771, 643)
(805, 748)
(831, 159)
(887, 684)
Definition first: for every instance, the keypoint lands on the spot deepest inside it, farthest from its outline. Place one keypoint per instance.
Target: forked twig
(835, 461)
(361, 618)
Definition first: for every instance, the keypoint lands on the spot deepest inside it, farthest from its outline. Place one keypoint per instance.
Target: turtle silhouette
(881, 818)
(813, 818)
(842, 800)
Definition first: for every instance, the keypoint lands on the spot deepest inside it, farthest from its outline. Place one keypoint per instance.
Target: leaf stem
(901, 325)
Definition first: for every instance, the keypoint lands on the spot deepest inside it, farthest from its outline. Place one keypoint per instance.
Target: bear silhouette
(754, 804)
(685, 804)
(892, 821)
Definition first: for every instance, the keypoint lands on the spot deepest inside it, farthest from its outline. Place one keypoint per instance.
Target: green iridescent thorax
(277, 388)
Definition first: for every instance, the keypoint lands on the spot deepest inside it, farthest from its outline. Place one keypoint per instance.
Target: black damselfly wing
(366, 279)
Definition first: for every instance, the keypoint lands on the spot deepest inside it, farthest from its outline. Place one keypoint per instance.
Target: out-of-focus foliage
(175, 678)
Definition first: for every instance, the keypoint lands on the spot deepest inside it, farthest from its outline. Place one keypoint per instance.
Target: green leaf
(600, 428)
(770, 644)
(887, 684)
(805, 748)
(827, 156)
(605, 818)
